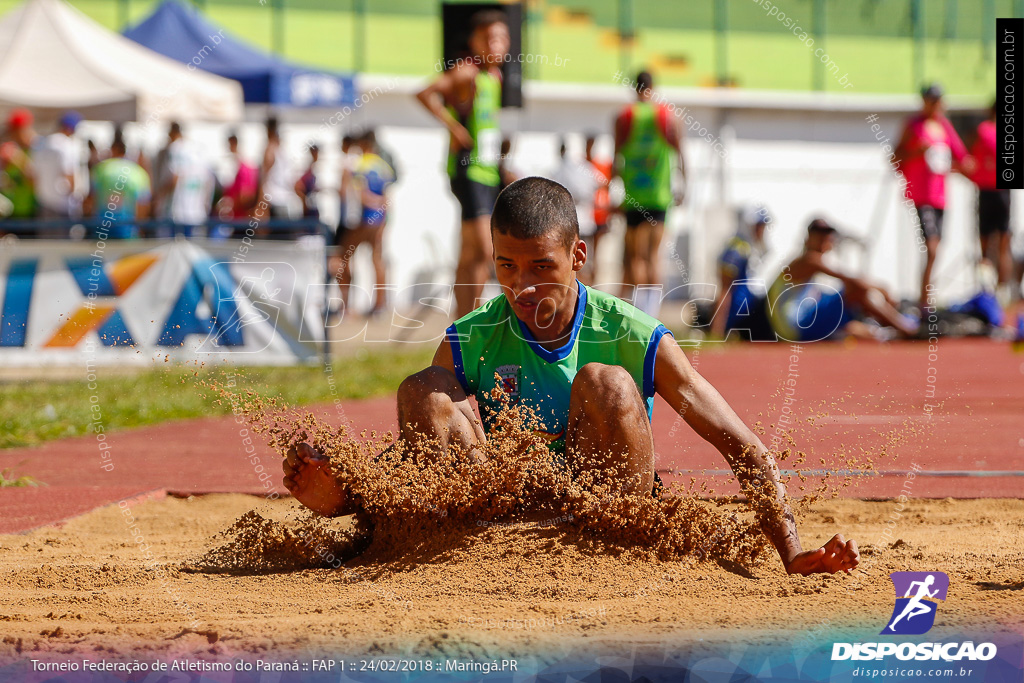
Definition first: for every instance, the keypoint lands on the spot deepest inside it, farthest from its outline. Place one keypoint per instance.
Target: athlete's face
(491, 43)
(931, 106)
(759, 229)
(821, 241)
(538, 276)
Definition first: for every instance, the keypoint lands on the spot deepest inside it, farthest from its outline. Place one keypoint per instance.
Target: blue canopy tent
(183, 34)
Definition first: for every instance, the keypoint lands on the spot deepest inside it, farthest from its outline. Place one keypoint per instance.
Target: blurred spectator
(805, 308)
(993, 207)
(162, 184)
(57, 159)
(93, 156)
(928, 150)
(466, 99)
(648, 142)
(369, 138)
(308, 190)
(602, 171)
(240, 194)
(740, 302)
(190, 183)
(17, 184)
(372, 178)
(276, 177)
(577, 177)
(347, 204)
(120, 194)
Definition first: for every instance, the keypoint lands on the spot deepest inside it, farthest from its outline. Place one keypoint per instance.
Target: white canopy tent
(53, 58)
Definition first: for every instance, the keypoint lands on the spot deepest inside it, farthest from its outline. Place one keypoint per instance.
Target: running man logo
(916, 593)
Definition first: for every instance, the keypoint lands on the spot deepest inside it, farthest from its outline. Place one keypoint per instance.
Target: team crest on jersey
(509, 375)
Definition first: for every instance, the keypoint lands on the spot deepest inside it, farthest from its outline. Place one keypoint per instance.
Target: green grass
(36, 411)
(8, 480)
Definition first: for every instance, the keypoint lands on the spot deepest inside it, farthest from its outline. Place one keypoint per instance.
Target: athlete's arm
(674, 136)
(694, 399)
(723, 304)
(433, 98)
(963, 162)
(817, 265)
(622, 122)
(905, 151)
(443, 357)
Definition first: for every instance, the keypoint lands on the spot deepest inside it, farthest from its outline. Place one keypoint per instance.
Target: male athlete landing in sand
(588, 364)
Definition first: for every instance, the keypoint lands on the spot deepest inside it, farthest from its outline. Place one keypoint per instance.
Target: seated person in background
(802, 308)
(740, 303)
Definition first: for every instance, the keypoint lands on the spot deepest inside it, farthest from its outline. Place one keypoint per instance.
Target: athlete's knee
(430, 388)
(605, 386)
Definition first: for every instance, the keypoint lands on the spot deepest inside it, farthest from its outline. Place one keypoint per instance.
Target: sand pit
(489, 590)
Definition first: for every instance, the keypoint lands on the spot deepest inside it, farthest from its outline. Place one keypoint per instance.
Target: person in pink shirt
(240, 196)
(993, 203)
(929, 149)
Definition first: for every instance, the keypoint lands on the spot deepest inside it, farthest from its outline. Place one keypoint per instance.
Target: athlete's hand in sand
(835, 556)
(309, 477)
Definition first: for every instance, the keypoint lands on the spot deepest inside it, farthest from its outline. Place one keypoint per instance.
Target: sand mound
(422, 507)
(256, 543)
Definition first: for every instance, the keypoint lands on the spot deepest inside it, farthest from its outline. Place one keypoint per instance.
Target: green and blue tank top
(481, 162)
(490, 345)
(646, 160)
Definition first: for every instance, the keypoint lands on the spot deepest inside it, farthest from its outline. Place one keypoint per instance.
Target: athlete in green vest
(588, 363)
(466, 98)
(648, 139)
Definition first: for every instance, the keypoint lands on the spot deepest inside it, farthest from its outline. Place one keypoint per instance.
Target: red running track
(960, 412)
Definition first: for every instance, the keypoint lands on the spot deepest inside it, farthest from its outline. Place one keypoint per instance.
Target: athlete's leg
(608, 429)
(586, 276)
(1005, 258)
(347, 251)
(985, 240)
(655, 234)
(628, 252)
(654, 239)
(641, 247)
(876, 303)
(474, 263)
(377, 242)
(932, 247)
(434, 413)
(592, 256)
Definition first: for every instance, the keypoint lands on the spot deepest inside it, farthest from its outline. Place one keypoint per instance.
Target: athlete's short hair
(820, 226)
(532, 207)
(644, 81)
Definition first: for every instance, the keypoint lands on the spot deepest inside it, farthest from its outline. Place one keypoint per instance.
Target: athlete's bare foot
(308, 476)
